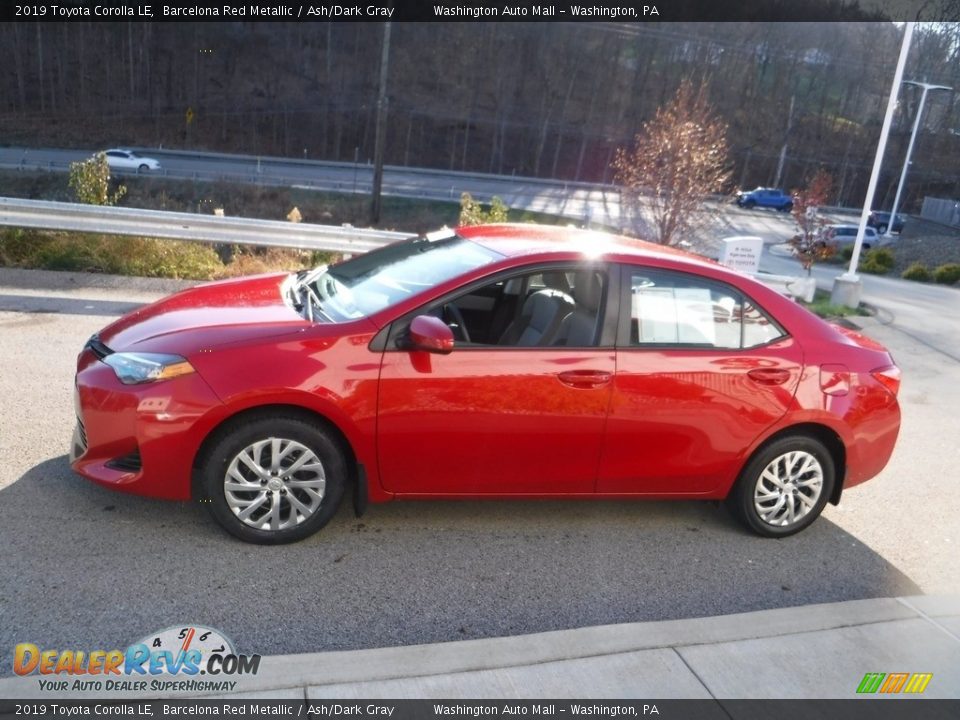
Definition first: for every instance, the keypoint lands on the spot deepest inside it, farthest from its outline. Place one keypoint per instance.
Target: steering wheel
(456, 322)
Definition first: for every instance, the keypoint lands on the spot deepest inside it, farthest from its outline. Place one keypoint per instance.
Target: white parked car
(119, 159)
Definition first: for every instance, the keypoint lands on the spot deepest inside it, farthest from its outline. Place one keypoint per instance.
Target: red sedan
(492, 362)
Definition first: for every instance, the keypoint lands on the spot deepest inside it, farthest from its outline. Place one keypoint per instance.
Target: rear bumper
(875, 436)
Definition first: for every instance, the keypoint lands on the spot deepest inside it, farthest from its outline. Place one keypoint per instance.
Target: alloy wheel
(788, 488)
(274, 484)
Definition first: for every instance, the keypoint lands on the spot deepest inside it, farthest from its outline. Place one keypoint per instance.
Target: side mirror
(431, 334)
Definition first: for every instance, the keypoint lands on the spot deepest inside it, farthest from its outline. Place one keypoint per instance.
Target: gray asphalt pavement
(92, 568)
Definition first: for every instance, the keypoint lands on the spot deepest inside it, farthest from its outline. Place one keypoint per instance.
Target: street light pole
(913, 138)
(847, 287)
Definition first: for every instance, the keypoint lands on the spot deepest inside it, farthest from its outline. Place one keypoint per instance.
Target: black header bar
(629, 11)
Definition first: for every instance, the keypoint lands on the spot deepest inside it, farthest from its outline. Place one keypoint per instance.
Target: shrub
(882, 257)
(90, 182)
(873, 266)
(917, 271)
(947, 274)
(146, 257)
(472, 212)
(846, 252)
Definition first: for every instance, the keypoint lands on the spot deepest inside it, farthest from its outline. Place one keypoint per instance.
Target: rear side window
(675, 309)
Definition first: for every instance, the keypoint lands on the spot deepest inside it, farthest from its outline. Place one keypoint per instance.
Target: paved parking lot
(84, 567)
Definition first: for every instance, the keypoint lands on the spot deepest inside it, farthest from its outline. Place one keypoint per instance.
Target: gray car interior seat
(579, 328)
(541, 315)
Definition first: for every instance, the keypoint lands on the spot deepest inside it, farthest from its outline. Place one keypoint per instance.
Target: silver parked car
(840, 235)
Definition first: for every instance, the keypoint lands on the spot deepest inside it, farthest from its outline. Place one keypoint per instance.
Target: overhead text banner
(483, 11)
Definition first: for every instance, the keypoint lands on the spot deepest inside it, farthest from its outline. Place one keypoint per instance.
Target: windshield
(383, 277)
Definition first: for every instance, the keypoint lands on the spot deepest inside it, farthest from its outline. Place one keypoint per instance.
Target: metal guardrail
(46, 215)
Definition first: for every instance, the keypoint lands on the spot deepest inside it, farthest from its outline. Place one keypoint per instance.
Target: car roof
(519, 239)
(848, 226)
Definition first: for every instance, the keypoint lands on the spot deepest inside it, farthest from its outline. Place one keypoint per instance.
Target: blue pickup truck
(765, 197)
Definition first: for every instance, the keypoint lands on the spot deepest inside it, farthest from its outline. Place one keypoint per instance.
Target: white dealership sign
(741, 253)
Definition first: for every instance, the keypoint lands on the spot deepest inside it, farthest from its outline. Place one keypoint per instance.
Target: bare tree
(678, 159)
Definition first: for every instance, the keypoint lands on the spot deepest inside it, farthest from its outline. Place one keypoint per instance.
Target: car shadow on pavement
(96, 569)
(65, 306)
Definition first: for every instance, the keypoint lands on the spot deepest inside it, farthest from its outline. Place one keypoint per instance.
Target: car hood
(206, 316)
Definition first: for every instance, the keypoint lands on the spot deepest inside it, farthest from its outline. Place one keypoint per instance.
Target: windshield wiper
(313, 304)
(305, 277)
(302, 294)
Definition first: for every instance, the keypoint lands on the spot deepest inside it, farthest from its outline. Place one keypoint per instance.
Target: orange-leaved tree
(808, 244)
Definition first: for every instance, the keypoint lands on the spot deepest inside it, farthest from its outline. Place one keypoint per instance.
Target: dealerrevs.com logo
(186, 651)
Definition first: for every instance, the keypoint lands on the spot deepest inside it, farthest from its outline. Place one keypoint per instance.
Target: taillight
(889, 377)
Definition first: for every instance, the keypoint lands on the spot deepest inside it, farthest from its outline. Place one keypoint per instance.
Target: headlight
(136, 368)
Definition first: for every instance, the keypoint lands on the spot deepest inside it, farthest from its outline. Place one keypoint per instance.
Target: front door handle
(769, 376)
(585, 378)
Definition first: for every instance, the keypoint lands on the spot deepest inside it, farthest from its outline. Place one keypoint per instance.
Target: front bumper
(140, 439)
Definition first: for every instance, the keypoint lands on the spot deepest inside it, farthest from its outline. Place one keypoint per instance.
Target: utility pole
(913, 138)
(381, 128)
(786, 139)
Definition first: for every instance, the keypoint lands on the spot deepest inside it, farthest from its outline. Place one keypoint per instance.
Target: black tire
(299, 433)
(742, 498)
(881, 229)
(787, 208)
(749, 204)
(143, 168)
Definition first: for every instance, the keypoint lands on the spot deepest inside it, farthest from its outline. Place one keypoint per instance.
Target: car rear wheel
(784, 487)
(274, 480)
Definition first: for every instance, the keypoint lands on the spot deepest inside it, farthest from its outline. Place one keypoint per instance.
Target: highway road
(526, 193)
(86, 568)
(583, 203)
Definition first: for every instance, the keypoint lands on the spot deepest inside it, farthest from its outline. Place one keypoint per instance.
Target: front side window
(546, 307)
(689, 311)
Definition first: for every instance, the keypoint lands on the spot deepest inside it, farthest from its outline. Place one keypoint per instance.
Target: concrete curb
(293, 675)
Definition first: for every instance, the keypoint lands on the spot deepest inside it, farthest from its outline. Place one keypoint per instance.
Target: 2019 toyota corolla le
(498, 361)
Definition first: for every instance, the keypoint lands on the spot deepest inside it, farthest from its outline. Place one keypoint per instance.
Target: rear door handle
(769, 376)
(585, 378)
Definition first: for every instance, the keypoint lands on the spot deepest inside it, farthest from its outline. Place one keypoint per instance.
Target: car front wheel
(881, 229)
(784, 487)
(274, 480)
